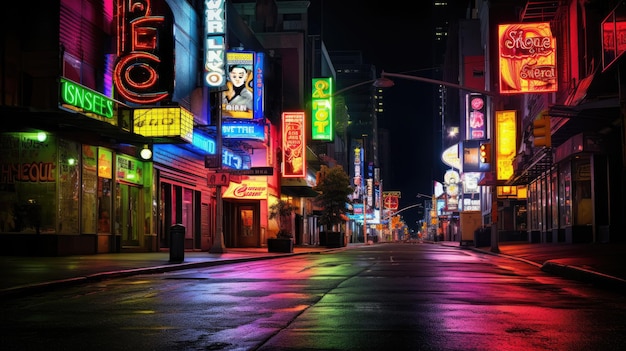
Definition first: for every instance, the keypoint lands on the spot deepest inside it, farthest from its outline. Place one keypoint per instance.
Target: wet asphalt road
(379, 297)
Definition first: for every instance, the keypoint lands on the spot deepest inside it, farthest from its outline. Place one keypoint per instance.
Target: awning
(297, 187)
(298, 191)
(247, 189)
(533, 167)
(592, 106)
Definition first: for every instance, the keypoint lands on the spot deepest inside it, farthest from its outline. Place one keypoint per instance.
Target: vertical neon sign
(215, 43)
(506, 138)
(476, 116)
(322, 109)
(259, 64)
(293, 145)
(142, 69)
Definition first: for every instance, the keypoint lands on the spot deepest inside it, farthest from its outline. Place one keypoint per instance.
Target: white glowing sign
(215, 43)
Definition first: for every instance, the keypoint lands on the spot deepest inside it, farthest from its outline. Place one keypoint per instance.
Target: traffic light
(485, 153)
(541, 131)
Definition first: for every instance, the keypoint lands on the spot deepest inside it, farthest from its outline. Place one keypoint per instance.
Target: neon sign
(527, 58)
(506, 138)
(246, 190)
(215, 43)
(163, 122)
(293, 145)
(79, 98)
(208, 145)
(476, 116)
(142, 69)
(258, 85)
(322, 109)
(243, 130)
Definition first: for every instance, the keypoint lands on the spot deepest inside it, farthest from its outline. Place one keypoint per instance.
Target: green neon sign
(85, 100)
(322, 109)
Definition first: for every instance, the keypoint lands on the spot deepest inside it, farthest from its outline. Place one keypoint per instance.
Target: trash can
(177, 243)
(482, 237)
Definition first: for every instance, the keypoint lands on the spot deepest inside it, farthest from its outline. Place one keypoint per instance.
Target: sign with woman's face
(238, 99)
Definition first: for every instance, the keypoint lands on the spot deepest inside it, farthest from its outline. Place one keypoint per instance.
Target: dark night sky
(396, 39)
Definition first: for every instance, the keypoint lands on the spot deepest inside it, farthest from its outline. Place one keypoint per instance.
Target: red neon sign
(142, 69)
(294, 165)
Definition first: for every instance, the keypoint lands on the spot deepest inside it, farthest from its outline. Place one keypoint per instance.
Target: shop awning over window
(297, 187)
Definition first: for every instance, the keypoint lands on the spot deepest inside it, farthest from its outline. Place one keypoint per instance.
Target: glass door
(127, 219)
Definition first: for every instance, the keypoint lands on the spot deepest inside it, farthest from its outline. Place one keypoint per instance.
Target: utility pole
(218, 243)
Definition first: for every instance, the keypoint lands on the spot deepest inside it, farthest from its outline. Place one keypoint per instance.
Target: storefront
(244, 226)
(59, 196)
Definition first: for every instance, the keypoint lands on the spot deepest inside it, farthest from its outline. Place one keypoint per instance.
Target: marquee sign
(163, 122)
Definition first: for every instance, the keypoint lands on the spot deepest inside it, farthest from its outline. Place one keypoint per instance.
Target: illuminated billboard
(294, 146)
(527, 58)
(505, 148)
(322, 127)
(238, 99)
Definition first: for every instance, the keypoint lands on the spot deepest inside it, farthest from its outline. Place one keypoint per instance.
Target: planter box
(279, 245)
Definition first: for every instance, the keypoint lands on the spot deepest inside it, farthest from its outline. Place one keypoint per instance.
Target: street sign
(218, 179)
(253, 171)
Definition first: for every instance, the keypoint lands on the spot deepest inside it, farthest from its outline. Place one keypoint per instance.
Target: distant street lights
(386, 82)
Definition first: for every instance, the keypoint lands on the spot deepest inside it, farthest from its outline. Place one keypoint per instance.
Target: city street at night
(401, 296)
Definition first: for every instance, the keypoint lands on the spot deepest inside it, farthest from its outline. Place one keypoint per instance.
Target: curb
(585, 275)
(174, 266)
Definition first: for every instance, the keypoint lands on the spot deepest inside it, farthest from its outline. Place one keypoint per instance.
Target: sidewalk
(599, 264)
(602, 264)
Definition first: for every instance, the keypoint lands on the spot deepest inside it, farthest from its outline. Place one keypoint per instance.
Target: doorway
(247, 233)
(127, 218)
(241, 224)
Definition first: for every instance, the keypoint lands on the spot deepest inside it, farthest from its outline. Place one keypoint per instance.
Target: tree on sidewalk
(333, 184)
